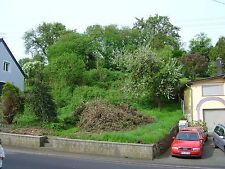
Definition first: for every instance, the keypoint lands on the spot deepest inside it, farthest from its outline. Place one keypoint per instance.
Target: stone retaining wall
(127, 150)
(138, 151)
(22, 140)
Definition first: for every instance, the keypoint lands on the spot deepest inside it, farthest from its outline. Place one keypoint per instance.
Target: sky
(192, 16)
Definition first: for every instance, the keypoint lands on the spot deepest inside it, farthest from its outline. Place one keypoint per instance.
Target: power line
(219, 2)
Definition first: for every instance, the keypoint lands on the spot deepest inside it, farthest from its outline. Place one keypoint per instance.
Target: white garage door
(214, 117)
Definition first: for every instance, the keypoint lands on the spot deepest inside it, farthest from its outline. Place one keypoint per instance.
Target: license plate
(184, 152)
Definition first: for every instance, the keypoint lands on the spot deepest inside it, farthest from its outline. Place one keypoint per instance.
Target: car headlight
(196, 149)
(174, 148)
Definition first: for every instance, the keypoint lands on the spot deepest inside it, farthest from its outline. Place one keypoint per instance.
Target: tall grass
(165, 119)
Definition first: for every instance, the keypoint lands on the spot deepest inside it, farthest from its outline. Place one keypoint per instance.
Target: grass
(165, 119)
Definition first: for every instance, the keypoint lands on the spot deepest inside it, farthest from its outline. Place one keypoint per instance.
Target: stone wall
(22, 140)
(138, 151)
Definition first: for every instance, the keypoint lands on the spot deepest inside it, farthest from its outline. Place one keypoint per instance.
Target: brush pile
(97, 115)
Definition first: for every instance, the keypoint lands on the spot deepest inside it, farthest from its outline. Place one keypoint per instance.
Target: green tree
(151, 75)
(24, 60)
(194, 65)
(38, 95)
(218, 50)
(158, 32)
(201, 44)
(31, 68)
(38, 40)
(77, 44)
(110, 40)
(67, 69)
(12, 102)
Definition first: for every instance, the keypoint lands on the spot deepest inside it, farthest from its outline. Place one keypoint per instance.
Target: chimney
(219, 66)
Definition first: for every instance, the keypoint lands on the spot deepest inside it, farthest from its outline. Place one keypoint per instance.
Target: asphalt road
(45, 159)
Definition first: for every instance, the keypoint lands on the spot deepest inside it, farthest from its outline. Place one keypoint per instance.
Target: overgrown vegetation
(143, 67)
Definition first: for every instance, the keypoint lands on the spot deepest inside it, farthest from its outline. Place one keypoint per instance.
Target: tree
(12, 102)
(218, 50)
(110, 40)
(38, 40)
(38, 94)
(201, 44)
(32, 68)
(158, 32)
(76, 44)
(150, 75)
(194, 65)
(67, 69)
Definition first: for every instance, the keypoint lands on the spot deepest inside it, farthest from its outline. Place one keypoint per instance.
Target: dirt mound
(101, 116)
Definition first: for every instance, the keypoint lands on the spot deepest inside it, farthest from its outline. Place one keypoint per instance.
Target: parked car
(219, 136)
(203, 134)
(187, 143)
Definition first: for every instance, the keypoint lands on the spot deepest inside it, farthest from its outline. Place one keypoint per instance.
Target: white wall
(14, 75)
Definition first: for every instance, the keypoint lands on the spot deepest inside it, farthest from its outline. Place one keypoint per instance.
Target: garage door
(213, 117)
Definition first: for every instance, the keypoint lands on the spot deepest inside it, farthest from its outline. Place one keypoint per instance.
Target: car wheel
(214, 144)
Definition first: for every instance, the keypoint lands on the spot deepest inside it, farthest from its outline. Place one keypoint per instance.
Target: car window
(216, 130)
(221, 131)
(187, 136)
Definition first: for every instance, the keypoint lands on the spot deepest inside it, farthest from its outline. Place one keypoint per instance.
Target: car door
(221, 141)
(216, 135)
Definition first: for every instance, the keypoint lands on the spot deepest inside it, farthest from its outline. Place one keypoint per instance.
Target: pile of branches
(97, 115)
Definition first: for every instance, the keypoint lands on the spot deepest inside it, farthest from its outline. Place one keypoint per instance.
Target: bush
(12, 102)
(41, 102)
(200, 124)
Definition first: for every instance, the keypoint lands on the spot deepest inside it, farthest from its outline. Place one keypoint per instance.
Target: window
(213, 89)
(6, 66)
(221, 131)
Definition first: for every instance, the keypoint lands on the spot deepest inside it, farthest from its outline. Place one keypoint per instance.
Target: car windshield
(187, 136)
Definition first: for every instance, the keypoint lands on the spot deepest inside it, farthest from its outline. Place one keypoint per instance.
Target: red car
(187, 143)
(203, 134)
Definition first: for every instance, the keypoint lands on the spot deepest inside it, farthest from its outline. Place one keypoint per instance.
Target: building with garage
(204, 100)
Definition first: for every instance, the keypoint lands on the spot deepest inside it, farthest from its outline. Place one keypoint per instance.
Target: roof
(12, 56)
(207, 78)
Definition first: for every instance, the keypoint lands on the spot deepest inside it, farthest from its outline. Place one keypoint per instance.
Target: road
(36, 159)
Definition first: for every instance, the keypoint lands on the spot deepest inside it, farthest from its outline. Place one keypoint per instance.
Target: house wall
(188, 104)
(210, 102)
(14, 75)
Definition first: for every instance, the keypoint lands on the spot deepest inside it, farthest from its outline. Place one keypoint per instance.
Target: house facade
(204, 100)
(10, 70)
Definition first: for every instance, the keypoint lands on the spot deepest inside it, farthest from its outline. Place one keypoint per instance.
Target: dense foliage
(38, 95)
(12, 102)
(142, 66)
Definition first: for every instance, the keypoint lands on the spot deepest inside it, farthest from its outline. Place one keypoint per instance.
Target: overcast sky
(192, 16)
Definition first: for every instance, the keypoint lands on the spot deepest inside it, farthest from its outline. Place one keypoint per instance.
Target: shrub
(200, 124)
(12, 102)
(41, 102)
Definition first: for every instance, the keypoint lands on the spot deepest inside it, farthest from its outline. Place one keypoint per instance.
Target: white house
(10, 70)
